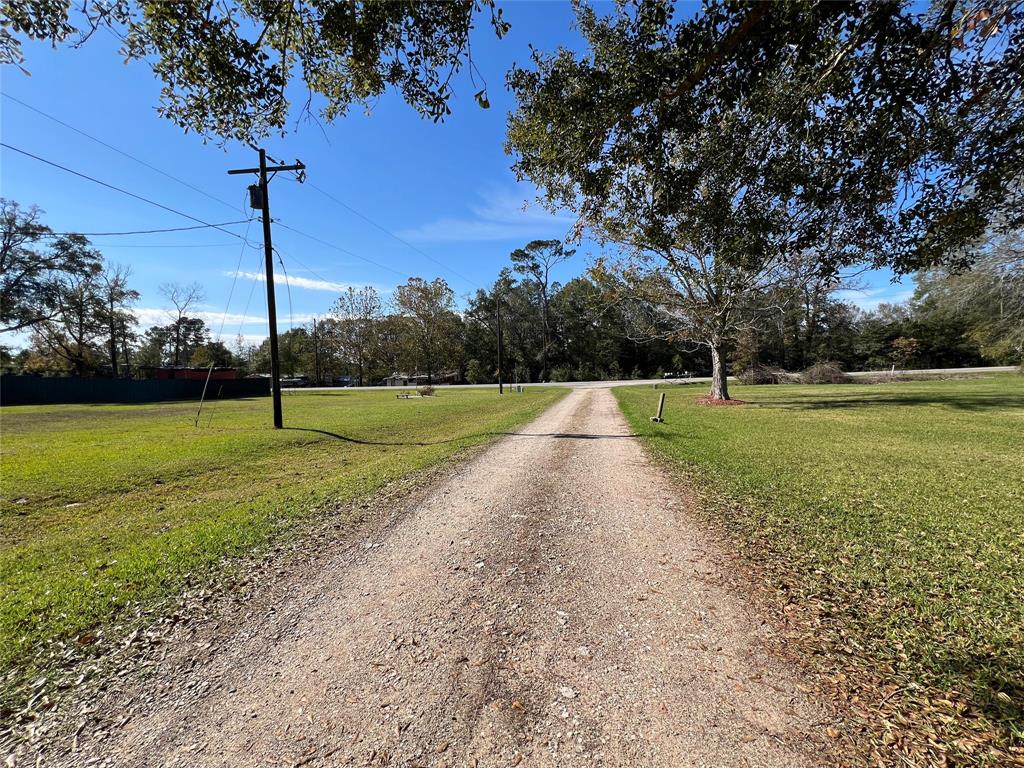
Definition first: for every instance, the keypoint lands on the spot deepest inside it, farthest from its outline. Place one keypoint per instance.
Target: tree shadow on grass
(996, 685)
(966, 402)
(340, 391)
(398, 443)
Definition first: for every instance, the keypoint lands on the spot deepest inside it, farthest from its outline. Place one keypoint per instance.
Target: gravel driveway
(547, 603)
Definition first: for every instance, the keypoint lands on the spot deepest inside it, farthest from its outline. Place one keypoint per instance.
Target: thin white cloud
(506, 214)
(296, 282)
(147, 316)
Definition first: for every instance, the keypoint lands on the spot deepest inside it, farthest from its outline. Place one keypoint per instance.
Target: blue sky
(445, 189)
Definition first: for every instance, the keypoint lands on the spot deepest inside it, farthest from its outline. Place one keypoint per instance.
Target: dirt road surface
(547, 603)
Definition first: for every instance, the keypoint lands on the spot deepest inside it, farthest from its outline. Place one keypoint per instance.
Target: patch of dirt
(717, 401)
(547, 603)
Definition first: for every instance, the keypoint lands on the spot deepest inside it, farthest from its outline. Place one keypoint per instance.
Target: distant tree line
(952, 320)
(77, 312)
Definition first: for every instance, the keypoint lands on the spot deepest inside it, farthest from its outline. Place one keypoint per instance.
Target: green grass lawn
(110, 506)
(900, 506)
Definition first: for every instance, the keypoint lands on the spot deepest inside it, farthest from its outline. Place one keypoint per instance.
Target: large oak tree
(720, 152)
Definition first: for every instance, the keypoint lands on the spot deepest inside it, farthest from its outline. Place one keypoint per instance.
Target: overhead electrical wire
(120, 189)
(131, 232)
(224, 202)
(288, 285)
(252, 289)
(338, 248)
(391, 234)
(111, 147)
(223, 319)
(189, 216)
(228, 204)
(163, 245)
(308, 269)
(234, 279)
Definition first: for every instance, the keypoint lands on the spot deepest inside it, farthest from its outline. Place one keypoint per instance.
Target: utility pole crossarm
(299, 166)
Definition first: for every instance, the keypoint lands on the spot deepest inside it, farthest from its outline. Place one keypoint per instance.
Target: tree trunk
(544, 355)
(124, 352)
(113, 341)
(113, 354)
(719, 383)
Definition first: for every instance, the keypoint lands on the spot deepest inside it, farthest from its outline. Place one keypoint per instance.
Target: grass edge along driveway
(896, 508)
(108, 508)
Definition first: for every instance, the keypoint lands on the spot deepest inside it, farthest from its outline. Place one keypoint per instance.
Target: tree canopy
(429, 307)
(884, 131)
(226, 65)
(536, 260)
(35, 266)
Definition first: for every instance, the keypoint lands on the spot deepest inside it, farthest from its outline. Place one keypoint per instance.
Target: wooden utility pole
(259, 197)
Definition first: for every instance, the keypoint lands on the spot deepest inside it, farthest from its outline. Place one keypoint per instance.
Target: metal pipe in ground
(661, 409)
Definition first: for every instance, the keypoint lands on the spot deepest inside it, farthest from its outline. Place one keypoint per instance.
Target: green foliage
(226, 66)
(587, 332)
(749, 131)
(429, 308)
(352, 330)
(144, 502)
(38, 271)
(561, 373)
(536, 260)
(175, 344)
(987, 302)
(899, 507)
(475, 373)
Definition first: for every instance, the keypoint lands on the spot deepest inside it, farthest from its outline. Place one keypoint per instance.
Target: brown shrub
(824, 373)
(766, 374)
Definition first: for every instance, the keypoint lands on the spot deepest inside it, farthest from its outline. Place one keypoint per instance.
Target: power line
(163, 245)
(119, 151)
(391, 234)
(119, 189)
(338, 248)
(234, 279)
(111, 234)
(288, 285)
(224, 202)
(308, 269)
(223, 319)
(252, 289)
